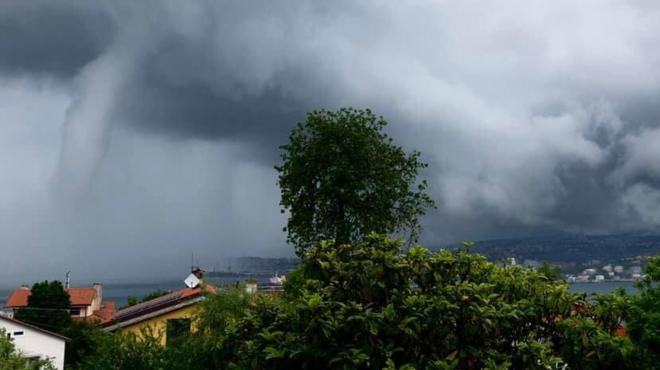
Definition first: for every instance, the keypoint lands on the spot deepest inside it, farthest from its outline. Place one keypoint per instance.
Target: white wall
(35, 343)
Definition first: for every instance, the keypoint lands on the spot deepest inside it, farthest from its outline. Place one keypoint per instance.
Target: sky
(133, 134)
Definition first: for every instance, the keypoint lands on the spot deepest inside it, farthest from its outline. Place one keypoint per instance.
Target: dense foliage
(82, 335)
(643, 321)
(342, 178)
(551, 272)
(48, 307)
(371, 305)
(12, 359)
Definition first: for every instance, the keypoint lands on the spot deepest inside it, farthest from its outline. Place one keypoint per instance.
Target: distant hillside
(257, 264)
(569, 249)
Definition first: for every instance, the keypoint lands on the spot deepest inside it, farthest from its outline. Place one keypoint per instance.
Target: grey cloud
(49, 38)
(536, 117)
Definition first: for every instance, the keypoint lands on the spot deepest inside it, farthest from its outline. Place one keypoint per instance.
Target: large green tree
(370, 306)
(342, 178)
(48, 307)
(552, 272)
(643, 321)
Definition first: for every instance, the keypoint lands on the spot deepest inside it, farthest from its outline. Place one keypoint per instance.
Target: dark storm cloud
(198, 111)
(51, 38)
(536, 117)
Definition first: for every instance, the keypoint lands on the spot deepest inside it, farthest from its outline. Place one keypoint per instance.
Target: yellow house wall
(159, 324)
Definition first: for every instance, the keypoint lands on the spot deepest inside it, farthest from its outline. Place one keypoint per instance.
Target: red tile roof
(79, 297)
(82, 296)
(106, 312)
(18, 298)
(108, 306)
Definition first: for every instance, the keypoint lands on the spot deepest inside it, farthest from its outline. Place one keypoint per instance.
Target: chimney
(24, 287)
(99, 290)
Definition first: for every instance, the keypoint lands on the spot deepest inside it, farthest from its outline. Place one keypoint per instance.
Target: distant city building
(607, 268)
(610, 274)
(599, 278)
(618, 269)
(636, 276)
(589, 271)
(582, 278)
(635, 270)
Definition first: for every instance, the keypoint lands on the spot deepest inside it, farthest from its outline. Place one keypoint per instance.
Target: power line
(42, 309)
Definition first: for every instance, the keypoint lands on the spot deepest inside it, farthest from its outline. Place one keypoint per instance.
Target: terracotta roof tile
(103, 315)
(18, 298)
(79, 297)
(108, 306)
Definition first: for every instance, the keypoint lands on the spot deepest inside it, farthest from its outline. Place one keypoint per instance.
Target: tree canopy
(48, 307)
(552, 272)
(342, 178)
(371, 306)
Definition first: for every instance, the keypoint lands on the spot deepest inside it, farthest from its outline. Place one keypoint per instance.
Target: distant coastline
(120, 292)
(603, 287)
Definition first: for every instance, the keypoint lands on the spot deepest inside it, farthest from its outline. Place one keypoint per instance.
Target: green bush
(371, 305)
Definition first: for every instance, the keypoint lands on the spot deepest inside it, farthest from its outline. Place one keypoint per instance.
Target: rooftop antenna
(192, 264)
(66, 284)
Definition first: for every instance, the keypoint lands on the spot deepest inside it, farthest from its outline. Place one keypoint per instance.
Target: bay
(605, 287)
(119, 293)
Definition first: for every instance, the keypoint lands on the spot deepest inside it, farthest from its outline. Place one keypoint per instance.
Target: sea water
(119, 293)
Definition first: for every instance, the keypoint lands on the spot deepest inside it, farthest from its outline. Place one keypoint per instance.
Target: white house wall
(35, 343)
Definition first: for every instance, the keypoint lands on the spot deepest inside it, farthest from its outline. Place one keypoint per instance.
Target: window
(74, 311)
(18, 333)
(177, 330)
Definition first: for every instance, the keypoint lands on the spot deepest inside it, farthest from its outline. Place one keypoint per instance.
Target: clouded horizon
(133, 134)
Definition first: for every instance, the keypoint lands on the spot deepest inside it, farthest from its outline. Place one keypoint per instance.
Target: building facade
(168, 317)
(35, 343)
(86, 302)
